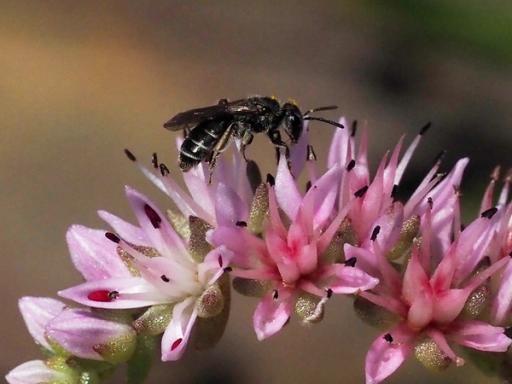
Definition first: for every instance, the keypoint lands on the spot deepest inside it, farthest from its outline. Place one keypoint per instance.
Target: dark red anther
(152, 216)
(361, 192)
(154, 160)
(103, 295)
(112, 237)
(221, 262)
(176, 344)
(351, 164)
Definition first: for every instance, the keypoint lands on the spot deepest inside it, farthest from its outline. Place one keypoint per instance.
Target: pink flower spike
(35, 372)
(37, 312)
(86, 335)
(387, 353)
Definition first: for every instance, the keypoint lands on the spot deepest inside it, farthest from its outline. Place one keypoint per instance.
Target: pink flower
(291, 259)
(429, 300)
(222, 198)
(158, 269)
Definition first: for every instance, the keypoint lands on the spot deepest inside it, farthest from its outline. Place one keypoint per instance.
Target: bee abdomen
(200, 142)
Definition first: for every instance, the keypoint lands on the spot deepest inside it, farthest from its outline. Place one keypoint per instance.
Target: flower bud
(428, 353)
(37, 313)
(154, 320)
(54, 371)
(89, 336)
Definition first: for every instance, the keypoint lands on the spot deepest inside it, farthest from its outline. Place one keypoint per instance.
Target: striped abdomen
(201, 141)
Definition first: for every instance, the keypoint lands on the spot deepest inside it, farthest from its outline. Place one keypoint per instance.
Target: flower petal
(93, 255)
(272, 314)
(229, 207)
(387, 354)
(503, 300)
(131, 292)
(349, 280)
(287, 193)
(176, 335)
(480, 335)
(125, 230)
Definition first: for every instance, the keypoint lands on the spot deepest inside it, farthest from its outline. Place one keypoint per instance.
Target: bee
(208, 130)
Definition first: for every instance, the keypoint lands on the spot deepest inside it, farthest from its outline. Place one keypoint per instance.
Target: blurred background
(80, 81)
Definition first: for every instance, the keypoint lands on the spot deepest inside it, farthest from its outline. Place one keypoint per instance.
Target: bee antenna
(318, 109)
(325, 121)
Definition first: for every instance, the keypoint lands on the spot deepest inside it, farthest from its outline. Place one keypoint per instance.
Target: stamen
(308, 185)
(221, 262)
(361, 192)
(130, 155)
(176, 344)
(241, 223)
(439, 157)
(508, 332)
(430, 203)
(164, 171)
(425, 128)
(112, 237)
(375, 233)
(388, 338)
(165, 278)
(154, 160)
(351, 165)
(228, 269)
(270, 180)
(354, 128)
(155, 219)
(488, 214)
(394, 192)
(275, 294)
(328, 292)
(351, 262)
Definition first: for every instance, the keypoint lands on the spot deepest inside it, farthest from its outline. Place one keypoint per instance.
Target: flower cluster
(410, 266)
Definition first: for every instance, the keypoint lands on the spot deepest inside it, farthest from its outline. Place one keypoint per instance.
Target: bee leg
(275, 138)
(223, 102)
(246, 141)
(186, 132)
(217, 150)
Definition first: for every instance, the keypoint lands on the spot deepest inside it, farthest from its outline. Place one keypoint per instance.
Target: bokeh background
(81, 80)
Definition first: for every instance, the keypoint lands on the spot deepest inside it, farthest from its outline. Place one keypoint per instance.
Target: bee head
(293, 121)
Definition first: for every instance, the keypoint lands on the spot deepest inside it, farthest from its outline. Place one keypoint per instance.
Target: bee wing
(191, 118)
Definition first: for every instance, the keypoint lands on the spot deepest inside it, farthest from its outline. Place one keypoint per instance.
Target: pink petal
(340, 146)
(385, 357)
(287, 194)
(449, 304)
(503, 299)
(421, 310)
(131, 292)
(93, 255)
(156, 227)
(229, 207)
(34, 372)
(271, 314)
(480, 335)
(350, 280)
(298, 152)
(323, 194)
(415, 278)
(37, 312)
(125, 230)
(175, 338)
